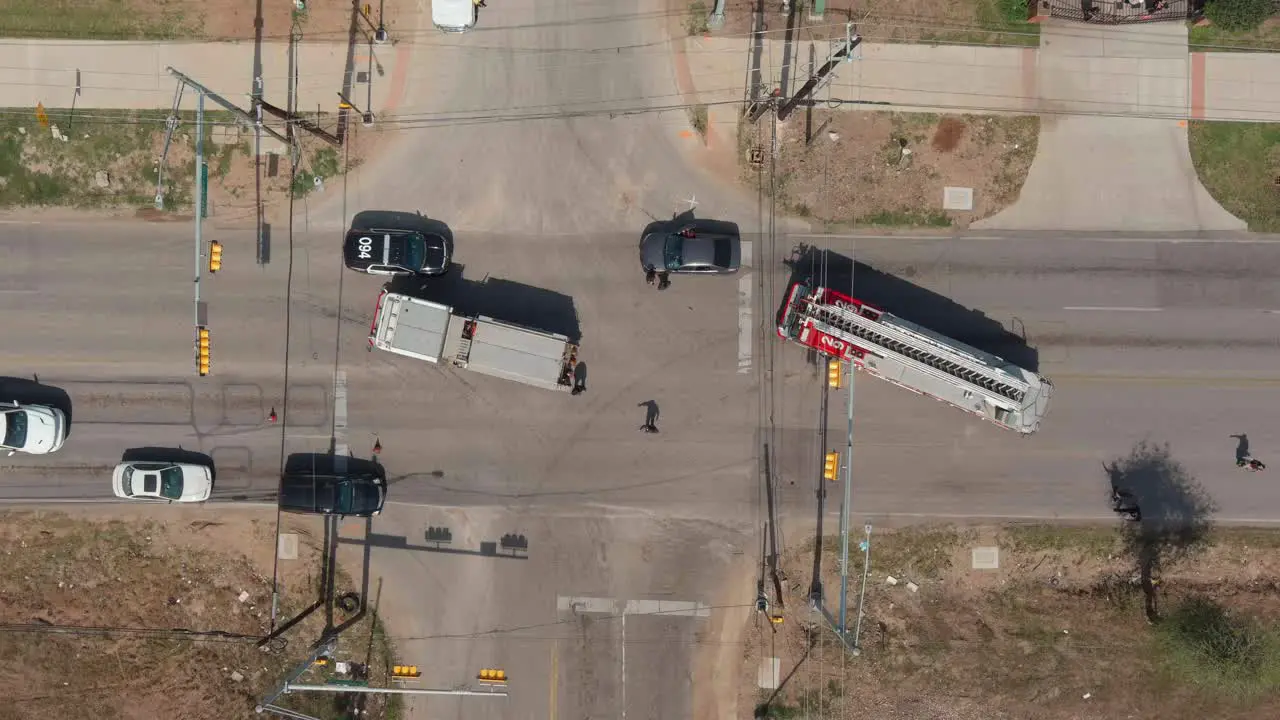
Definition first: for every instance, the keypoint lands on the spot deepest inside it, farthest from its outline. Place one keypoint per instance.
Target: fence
(1122, 12)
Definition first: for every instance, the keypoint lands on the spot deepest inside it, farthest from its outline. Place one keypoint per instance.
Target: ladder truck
(914, 357)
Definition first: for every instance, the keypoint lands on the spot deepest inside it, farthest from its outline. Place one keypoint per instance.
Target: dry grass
(1058, 632)
(881, 168)
(124, 572)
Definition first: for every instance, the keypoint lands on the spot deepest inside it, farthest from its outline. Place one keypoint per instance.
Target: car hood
(197, 483)
(45, 428)
(651, 248)
(453, 14)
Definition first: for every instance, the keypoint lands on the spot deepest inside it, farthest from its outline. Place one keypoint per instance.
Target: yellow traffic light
(833, 373)
(202, 350)
(215, 256)
(405, 671)
(491, 675)
(831, 466)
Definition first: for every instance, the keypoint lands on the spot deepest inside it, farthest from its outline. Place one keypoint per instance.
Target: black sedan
(692, 248)
(396, 252)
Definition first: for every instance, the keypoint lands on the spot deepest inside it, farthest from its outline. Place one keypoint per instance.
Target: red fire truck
(914, 357)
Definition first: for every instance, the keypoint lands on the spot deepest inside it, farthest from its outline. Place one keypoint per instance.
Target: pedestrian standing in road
(649, 428)
(650, 276)
(479, 3)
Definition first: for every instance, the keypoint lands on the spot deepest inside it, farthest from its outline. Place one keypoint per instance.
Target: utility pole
(843, 54)
(201, 178)
(844, 513)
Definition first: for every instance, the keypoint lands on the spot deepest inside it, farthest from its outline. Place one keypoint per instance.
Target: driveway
(1113, 153)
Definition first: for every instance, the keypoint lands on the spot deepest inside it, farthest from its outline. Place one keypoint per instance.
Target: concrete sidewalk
(132, 75)
(1142, 70)
(1114, 102)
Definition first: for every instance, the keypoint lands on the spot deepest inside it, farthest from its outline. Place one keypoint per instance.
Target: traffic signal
(215, 256)
(831, 466)
(202, 350)
(493, 676)
(405, 672)
(833, 373)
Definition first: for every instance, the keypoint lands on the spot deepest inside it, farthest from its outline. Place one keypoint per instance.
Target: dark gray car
(693, 249)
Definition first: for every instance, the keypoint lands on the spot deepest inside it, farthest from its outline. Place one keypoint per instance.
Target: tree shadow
(1176, 514)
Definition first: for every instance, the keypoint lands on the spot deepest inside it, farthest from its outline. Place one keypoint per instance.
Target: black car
(396, 252)
(317, 483)
(695, 248)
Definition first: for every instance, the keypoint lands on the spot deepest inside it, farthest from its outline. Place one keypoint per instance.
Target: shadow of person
(1242, 446)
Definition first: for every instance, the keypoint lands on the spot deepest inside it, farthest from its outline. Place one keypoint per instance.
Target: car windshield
(343, 498)
(171, 483)
(15, 429)
(415, 252)
(672, 252)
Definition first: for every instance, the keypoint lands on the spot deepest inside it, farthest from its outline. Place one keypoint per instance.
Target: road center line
(340, 413)
(1118, 308)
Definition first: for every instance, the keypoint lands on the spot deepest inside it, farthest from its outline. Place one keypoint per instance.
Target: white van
(454, 16)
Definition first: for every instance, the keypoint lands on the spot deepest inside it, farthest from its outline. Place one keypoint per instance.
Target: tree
(1239, 15)
(1175, 514)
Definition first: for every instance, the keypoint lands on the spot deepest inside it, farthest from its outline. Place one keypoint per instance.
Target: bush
(1239, 15)
(1210, 647)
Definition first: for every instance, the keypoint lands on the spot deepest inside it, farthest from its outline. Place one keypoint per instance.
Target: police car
(396, 252)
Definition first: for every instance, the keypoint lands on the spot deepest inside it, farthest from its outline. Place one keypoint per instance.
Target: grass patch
(914, 553)
(997, 22)
(39, 169)
(1223, 653)
(98, 19)
(698, 119)
(1212, 38)
(324, 164)
(695, 23)
(1092, 542)
(1239, 164)
(907, 218)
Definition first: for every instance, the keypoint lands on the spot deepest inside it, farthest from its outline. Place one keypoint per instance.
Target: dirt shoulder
(892, 169)
(112, 613)
(1056, 631)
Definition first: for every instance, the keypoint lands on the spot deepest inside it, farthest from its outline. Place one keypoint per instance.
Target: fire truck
(429, 331)
(916, 358)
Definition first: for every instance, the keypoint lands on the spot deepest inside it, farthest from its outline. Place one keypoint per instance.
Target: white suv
(34, 429)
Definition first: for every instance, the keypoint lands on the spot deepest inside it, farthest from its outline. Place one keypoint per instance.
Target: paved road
(1171, 341)
(526, 126)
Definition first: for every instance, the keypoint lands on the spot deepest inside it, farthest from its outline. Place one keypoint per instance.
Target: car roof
(351, 254)
(706, 250)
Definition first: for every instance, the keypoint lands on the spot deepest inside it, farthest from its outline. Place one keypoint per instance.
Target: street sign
(204, 190)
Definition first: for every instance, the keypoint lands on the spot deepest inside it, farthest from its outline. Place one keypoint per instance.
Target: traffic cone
(272, 416)
(377, 446)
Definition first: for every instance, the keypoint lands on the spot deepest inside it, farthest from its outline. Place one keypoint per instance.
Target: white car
(34, 429)
(162, 482)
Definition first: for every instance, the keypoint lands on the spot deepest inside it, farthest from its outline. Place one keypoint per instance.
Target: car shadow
(504, 300)
(170, 455)
(910, 302)
(26, 391)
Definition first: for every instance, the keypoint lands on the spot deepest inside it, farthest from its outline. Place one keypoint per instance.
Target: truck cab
(454, 16)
